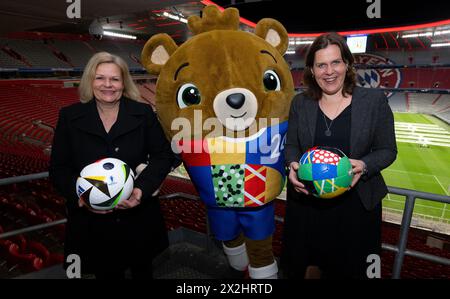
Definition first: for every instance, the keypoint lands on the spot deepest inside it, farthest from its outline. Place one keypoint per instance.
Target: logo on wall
(376, 77)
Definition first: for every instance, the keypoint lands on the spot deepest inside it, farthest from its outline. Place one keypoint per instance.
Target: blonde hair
(130, 89)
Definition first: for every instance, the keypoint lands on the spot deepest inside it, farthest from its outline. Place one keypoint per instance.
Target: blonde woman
(109, 122)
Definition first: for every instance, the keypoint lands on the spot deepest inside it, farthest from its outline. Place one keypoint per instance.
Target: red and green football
(326, 172)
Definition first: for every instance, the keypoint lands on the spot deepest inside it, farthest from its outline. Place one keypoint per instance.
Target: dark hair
(321, 42)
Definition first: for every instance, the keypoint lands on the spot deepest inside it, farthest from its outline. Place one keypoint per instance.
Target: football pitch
(423, 163)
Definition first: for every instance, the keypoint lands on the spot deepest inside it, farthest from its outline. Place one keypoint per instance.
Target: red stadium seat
(55, 259)
(25, 261)
(39, 250)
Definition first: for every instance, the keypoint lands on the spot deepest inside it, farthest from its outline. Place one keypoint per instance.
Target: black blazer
(135, 138)
(372, 137)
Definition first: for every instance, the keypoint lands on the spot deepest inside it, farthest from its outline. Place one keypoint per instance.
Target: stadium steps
(189, 256)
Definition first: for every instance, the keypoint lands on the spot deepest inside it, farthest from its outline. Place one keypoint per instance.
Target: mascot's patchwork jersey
(238, 172)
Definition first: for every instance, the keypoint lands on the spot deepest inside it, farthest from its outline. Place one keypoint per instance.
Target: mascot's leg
(236, 253)
(258, 226)
(224, 223)
(262, 263)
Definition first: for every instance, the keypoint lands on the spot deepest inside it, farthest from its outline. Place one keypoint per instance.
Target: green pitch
(421, 165)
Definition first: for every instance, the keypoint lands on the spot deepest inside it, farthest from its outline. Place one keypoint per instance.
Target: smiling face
(329, 69)
(235, 78)
(108, 83)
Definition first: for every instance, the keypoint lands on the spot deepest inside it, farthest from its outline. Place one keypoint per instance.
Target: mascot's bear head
(232, 76)
(227, 84)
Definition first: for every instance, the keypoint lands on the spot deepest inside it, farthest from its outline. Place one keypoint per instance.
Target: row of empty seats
(419, 102)
(433, 104)
(29, 113)
(26, 254)
(62, 53)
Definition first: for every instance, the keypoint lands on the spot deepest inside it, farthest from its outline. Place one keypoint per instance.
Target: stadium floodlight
(435, 45)
(441, 32)
(424, 34)
(300, 42)
(120, 35)
(413, 35)
(174, 17)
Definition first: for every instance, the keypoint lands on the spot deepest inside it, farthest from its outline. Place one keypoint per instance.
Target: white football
(105, 183)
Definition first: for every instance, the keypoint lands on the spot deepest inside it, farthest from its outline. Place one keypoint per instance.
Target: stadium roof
(335, 15)
(302, 19)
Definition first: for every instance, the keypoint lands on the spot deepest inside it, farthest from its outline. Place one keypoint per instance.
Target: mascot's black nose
(236, 100)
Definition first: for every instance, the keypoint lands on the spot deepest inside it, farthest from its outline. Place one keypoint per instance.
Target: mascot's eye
(271, 81)
(187, 95)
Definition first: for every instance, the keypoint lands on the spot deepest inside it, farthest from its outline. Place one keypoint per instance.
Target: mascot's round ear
(157, 51)
(274, 33)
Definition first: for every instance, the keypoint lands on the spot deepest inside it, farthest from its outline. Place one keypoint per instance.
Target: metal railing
(23, 178)
(400, 248)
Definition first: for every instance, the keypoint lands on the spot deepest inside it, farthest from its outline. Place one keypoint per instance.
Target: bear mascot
(223, 99)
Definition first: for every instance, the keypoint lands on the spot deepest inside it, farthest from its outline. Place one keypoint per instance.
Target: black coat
(125, 236)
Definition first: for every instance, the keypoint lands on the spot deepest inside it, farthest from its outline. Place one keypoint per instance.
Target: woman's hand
(358, 167)
(298, 186)
(134, 200)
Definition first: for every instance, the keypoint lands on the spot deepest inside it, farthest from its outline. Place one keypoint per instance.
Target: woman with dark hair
(332, 238)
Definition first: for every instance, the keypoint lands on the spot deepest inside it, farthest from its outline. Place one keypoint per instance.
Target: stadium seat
(27, 262)
(40, 251)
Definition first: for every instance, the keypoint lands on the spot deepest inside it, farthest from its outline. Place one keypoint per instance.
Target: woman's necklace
(328, 130)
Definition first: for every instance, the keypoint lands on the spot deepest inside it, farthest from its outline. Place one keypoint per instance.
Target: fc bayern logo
(376, 77)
